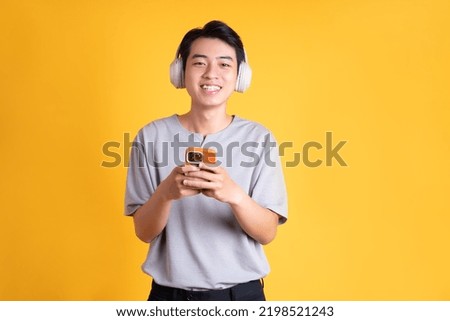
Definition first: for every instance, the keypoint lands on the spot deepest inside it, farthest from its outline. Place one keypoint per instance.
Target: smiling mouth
(211, 87)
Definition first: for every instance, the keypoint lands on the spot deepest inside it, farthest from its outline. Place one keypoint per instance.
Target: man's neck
(205, 122)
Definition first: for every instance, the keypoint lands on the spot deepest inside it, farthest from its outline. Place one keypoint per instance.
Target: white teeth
(210, 88)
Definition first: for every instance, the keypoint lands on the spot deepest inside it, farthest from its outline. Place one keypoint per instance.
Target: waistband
(212, 295)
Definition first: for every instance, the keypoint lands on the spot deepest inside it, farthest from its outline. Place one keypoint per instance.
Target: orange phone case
(209, 155)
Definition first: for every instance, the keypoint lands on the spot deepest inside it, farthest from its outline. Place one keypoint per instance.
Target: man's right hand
(173, 186)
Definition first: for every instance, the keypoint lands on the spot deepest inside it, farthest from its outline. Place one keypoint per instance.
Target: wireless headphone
(242, 83)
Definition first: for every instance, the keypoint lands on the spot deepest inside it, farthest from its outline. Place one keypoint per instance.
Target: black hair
(213, 29)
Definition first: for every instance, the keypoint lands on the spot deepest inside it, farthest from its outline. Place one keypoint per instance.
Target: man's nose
(211, 72)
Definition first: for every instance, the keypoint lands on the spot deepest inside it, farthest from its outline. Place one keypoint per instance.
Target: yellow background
(75, 75)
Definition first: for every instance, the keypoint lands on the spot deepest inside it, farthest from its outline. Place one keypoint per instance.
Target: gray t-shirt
(202, 246)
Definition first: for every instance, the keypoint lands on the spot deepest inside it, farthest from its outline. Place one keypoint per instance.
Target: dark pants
(250, 291)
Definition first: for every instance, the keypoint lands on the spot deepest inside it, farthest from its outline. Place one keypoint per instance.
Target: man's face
(211, 72)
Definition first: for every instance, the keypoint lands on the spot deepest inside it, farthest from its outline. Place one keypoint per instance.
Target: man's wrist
(161, 194)
(238, 198)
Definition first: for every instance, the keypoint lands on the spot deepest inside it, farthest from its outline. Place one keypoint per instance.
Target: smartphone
(196, 155)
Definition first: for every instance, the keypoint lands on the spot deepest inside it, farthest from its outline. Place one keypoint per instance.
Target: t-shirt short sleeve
(269, 189)
(140, 183)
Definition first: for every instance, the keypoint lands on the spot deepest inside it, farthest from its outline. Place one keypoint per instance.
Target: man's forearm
(258, 222)
(151, 218)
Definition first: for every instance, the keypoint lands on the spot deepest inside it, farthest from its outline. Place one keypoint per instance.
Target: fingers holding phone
(173, 186)
(211, 180)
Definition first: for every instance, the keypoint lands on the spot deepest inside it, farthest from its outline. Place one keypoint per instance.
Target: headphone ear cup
(244, 77)
(176, 73)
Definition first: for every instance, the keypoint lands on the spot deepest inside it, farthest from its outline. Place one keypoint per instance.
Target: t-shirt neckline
(176, 120)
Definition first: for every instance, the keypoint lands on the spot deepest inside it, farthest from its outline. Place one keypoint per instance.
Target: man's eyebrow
(205, 56)
(199, 56)
(225, 57)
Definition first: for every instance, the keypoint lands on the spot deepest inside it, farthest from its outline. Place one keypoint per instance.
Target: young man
(206, 223)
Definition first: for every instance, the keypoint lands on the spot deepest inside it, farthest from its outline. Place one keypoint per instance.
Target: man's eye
(198, 63)
(226, 65)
